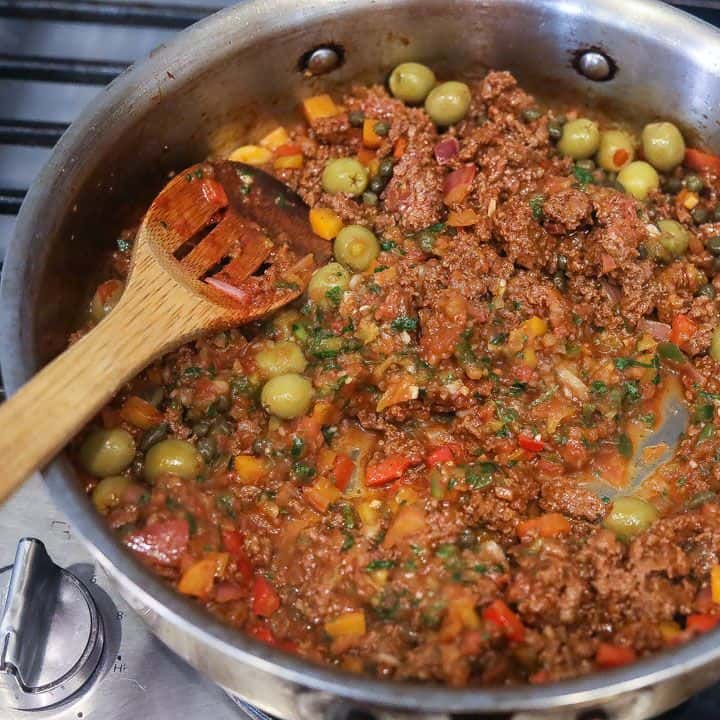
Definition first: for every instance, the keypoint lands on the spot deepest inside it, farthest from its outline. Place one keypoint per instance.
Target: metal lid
(51, 634)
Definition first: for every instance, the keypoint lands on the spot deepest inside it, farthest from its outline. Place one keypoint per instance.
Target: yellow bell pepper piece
(275, 138)
(198, 579)
(319, 106)
(251, 155)
(350, 624)
(321, 494)
(325, 223)
(370, 138)
(368, 514)
(715, 583)
(288, 162)
(250, 468)
(669, 630)
(535, 327)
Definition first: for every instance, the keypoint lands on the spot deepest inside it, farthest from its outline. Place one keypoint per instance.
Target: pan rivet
(321, 60)
(594, 65)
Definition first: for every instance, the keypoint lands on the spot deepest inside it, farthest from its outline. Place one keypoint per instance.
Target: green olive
(673, 236)
(287, 396)
(345, 175)
(448, 103)
(356, 247)
(663, 145)
(715, 345)
(321, 288)
(639, 178)
(173, 457)
(616, 150)
(630, 516)
(108, 492)
(411, 82)
(107, 452)
(280, 358)
(106, 297)
(580, 139)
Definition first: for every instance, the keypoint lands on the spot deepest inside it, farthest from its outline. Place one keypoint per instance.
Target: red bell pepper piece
(439, 455)
(391, 468)
(683, 328)
(263, 633)
(234, 543)
(228, 591)
(612, 656)
(701, 161)
(343, 468)
(529, 443)
(499, 614)
(288, 149)
(265, 600)
(701, 622)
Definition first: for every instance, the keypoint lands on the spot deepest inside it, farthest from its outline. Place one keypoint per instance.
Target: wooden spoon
(221, 245)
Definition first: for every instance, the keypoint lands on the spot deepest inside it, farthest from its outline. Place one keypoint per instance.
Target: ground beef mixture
(454, 502)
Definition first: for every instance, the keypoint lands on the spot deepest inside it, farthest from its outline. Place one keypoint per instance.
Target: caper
(630, 516)
(172, 457)
(555, 129)
(107, 494)
(713, 245)
(580, 139)
(707, 290)
(287, 396)
(381, 128)
(385, 168)
(467, 539)
(222, 404)
(345, 175)
(107, 452)
(356, 247)
(201, 428)
(531, 114)
(356, 118)
(694, 183)
(222, 426)
(369, 198)
(152, 436)
(663, 145)
(673, 185)
(448, 103)
(639, 179)
(207, 447)
(715, 345)
(700, 215)
(716, 213)
(560, 281)
(561, 262)
(673, 237)
(411, 82)
(324, 280)
(377, 185)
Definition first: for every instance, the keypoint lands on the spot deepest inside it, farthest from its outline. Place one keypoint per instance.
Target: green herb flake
(192, 372)
(334, 295)
(402, 322)
(298, 445)
(583, 176)
(379, 565)
(536, 205)
(348, 542)
(625, 447)
(387, 245)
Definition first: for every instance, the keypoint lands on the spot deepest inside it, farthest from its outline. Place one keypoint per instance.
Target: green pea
(713, 244)
(108, 492)
(580, 139)
(345, 175)
(356, 247)
(663, 145)
(639, 178)
(448, 103)
(715, 345)
(673, 237)
(280, 358)
(173, 457)
(694, 183)
(411, 82)
(356, 118)
(630, 516)
(325, 280)
(287, 396)
(107, 452)
(616, 150)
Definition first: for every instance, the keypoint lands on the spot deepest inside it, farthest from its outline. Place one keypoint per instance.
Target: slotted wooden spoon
(221, 245)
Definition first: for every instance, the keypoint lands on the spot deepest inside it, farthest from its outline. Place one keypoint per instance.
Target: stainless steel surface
(199, 95)
(137, 677)
(51, 633)
(594, 65)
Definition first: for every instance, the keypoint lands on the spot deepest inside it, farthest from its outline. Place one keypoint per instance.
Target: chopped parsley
(403, 322)
(536, 205)
(379, 565)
